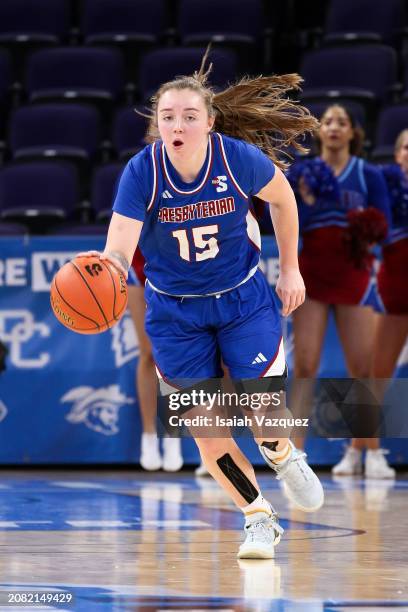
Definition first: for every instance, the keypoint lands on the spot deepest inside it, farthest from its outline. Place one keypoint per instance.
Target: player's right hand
(107, 257)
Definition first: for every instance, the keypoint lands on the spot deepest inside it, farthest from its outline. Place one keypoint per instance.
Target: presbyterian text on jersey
(201, 210)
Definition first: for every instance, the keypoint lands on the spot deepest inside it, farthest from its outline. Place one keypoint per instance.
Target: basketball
(88, 295)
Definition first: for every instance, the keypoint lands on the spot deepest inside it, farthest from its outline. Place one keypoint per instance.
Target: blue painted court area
(119, 504)
(136, 541)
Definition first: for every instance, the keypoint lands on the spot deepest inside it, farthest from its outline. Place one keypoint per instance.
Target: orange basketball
(88, 295)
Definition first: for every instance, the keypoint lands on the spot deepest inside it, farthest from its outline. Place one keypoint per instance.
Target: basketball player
(331, 277)
(146, 381)
(184, 199)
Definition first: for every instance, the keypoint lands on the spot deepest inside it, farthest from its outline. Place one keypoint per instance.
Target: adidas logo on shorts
(259, 358)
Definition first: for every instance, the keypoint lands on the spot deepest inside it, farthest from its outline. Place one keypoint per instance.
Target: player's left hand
(291, 290)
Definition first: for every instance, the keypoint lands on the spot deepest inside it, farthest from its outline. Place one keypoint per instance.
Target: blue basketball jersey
(202, 237)
(360, 185)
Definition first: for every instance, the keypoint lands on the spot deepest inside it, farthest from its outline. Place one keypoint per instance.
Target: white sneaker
(201, 471)
(263, 533)
(172, 457)
(150, 459)
(301, 485)
(376, 465)
(350, 464)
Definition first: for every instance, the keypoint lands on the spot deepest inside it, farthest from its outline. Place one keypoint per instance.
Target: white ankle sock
(260, 504)
(279, 457)
(150, 438)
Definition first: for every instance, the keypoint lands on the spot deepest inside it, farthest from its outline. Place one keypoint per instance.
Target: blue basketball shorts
(242, 327)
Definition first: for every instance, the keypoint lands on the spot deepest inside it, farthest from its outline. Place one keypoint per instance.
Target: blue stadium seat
(391, 121)
(236, 23)
(5, 84)
(38, 193)
(65, 131)
(128, 132)
(75, 74)
(83, 229)
(103, 189)
(12, 229)
(161, 65)
(365, 73)
(361, 21)
(26, 25)
(133, 26)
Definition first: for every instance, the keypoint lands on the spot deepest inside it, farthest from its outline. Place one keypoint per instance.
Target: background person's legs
(356, 326)
(391, 335)
(146, 384)
(309, 328)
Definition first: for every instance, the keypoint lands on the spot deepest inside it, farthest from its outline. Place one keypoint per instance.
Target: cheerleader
(343, 209)
(392, 278)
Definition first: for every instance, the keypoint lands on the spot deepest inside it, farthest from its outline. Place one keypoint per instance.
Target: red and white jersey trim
(154, 190)
(277, 365)
(166, 387)
(207, 172)
(253, 231)
(225, 160)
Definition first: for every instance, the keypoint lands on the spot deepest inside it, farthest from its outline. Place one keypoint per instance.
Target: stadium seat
(76, 74)
(5, 84)
(65, 131)
(26, 25)
(12, 229)
(38, 193)
(82, 229)
(405, 79)
(364, 73)
(104, 183)
(234, 23)
(128, 132)
(391, 121)
(358, 21)
(133, 26)
(161, 65)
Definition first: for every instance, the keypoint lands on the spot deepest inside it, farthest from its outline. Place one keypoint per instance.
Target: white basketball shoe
(301, 485)
(350, 465)
(263, 533)
(376, 465)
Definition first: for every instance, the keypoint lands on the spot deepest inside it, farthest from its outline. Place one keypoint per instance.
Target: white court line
(73, 484)
(84, 524)
(175, 523)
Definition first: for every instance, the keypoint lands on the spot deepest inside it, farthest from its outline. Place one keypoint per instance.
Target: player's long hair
(256, 110)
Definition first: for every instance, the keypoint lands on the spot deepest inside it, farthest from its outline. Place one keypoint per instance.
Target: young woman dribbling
(185, 200)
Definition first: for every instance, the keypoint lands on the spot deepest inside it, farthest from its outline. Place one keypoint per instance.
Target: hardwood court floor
(135, 541)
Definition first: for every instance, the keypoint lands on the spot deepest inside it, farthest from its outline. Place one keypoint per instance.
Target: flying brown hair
(256, 110)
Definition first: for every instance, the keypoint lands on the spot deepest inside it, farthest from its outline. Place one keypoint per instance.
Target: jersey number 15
(209, 246)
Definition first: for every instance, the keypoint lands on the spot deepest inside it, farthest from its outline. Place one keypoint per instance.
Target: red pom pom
(366, 227)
